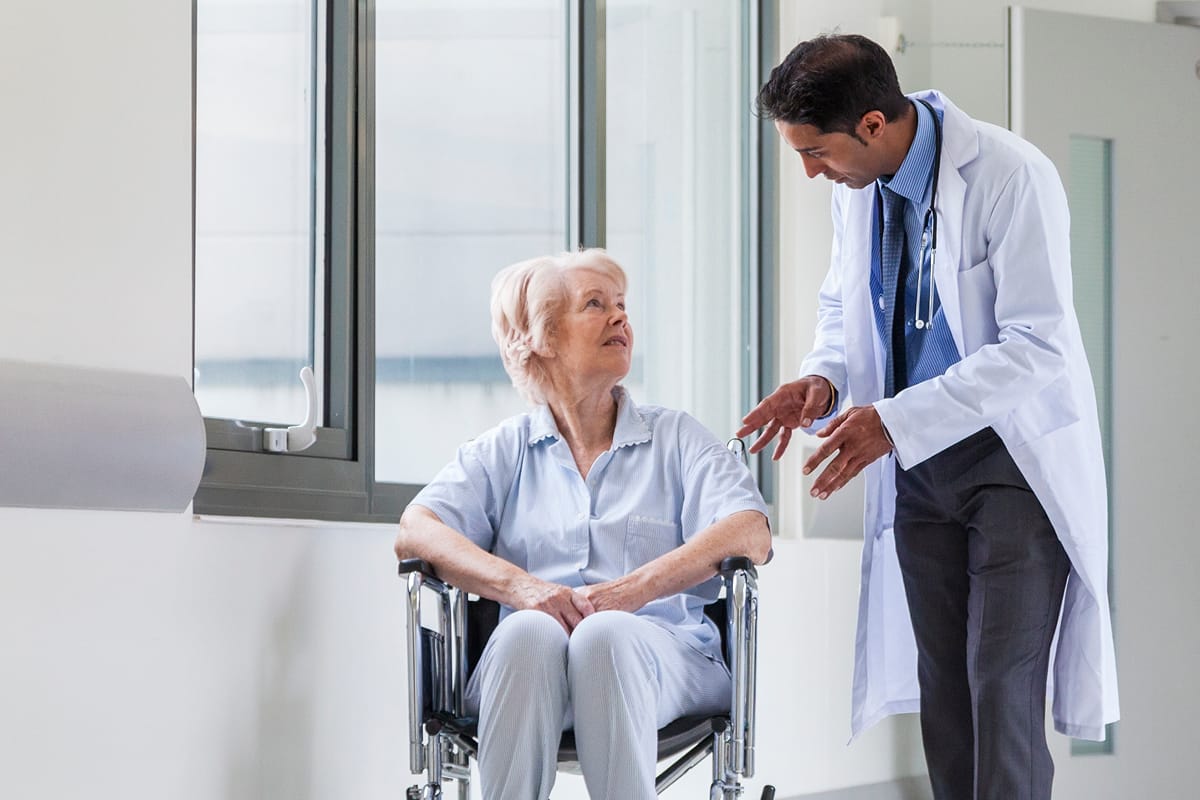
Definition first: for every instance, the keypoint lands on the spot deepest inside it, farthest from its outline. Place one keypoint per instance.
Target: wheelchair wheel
(768, 792)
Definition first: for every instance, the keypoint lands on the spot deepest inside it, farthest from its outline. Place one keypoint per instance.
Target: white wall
(976, 77)
(148, 655)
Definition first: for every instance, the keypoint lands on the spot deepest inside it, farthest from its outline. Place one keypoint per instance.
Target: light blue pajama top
(515, 491)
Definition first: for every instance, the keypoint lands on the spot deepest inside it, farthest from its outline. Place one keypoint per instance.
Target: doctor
(946, 319)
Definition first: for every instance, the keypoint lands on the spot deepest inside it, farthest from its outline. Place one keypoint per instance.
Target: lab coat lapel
(949, 207)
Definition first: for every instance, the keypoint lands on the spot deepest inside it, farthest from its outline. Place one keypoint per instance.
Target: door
(1116, 106)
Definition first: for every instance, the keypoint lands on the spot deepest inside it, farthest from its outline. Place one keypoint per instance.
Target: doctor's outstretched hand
(792, 405)
(858, 438)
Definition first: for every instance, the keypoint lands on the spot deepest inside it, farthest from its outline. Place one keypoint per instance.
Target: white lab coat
(1003, 272)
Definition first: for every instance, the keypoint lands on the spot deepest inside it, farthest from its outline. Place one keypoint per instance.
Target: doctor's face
(840, 157)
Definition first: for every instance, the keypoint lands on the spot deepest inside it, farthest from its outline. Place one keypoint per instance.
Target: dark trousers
(984, 574)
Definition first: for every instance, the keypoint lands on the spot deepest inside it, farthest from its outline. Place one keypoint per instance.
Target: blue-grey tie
(893, 257)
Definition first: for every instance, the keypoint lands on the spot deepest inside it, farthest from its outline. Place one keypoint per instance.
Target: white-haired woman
(597, 524)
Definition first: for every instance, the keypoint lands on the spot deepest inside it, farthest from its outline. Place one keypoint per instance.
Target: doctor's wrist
(886, 433)
(833, 398)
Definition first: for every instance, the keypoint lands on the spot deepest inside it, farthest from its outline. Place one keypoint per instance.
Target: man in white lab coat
(946, 319)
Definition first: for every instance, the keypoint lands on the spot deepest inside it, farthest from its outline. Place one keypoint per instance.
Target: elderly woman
(596, 523)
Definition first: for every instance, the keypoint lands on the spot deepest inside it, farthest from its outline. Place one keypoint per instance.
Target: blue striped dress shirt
(930, 352)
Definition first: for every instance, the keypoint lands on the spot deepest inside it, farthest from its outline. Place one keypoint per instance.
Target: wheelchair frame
(440, 746)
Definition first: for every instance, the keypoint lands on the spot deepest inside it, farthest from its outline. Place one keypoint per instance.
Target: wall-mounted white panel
(75, 437)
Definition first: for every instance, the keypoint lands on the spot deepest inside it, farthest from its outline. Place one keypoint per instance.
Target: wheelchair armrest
(427, 572)
(737, 563)
(420, 565)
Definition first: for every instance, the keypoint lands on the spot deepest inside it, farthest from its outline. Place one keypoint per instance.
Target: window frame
(328, 480)
(335, 480)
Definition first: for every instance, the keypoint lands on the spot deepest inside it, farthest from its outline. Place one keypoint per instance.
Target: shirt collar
(631, 426)
(911, 181)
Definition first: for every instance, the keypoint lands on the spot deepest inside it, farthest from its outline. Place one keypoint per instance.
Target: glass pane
(1090, 202)
(674, 126)
(257, 152)
(471, 175)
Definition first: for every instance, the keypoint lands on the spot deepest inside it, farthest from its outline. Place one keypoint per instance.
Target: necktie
(893, 260)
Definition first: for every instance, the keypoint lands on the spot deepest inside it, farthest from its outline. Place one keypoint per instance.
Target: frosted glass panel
(675, 118)
(1090, 200)
(257, 205)
(470, 176)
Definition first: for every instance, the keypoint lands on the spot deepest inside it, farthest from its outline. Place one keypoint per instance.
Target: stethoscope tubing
(929, 224)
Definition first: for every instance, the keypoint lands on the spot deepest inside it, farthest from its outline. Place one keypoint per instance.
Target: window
(258, 206)
(364, 168)
(471, 175)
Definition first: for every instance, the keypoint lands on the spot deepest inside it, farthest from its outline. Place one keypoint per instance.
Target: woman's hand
(616, 595)
(561, 602)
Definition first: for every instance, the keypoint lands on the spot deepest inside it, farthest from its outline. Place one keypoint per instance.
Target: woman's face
(593, 338)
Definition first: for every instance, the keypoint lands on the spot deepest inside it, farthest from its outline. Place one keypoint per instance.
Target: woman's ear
(546, 351)
(547, 345)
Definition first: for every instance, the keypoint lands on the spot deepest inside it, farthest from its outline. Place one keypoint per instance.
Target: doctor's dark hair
(829, 82)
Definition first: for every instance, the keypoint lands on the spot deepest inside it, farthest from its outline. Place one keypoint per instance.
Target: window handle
(297, 437)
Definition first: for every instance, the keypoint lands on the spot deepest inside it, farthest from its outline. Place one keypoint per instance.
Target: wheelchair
(446, 636)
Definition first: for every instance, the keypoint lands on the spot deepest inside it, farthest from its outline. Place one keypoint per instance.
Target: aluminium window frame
(328, 480)
(335, 480)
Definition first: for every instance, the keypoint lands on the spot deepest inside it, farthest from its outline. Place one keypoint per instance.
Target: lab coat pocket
(977, 306)
(646, 539)
(1052, 408)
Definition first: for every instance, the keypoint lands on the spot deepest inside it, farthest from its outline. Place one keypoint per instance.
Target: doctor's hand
(561, 602)
(792, 405)
(857, 436)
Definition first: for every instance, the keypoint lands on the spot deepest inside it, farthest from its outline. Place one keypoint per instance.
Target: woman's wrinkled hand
(561, 602)
(617, 595)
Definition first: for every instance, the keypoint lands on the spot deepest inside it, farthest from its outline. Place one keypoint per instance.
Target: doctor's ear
(870, 126)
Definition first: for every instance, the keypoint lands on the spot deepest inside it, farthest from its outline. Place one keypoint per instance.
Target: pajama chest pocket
(646, 539)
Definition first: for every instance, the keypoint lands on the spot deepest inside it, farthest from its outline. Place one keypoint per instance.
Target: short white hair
(528, 299)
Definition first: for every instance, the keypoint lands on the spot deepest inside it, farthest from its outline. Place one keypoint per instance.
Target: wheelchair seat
(443, 650)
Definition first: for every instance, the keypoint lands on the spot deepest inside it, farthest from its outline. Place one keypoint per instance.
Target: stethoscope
(929, 226)
(928, 230)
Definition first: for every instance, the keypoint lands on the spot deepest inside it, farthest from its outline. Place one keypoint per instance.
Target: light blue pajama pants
(616, 681)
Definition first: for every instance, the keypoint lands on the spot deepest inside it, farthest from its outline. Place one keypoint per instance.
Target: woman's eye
(593, 302)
